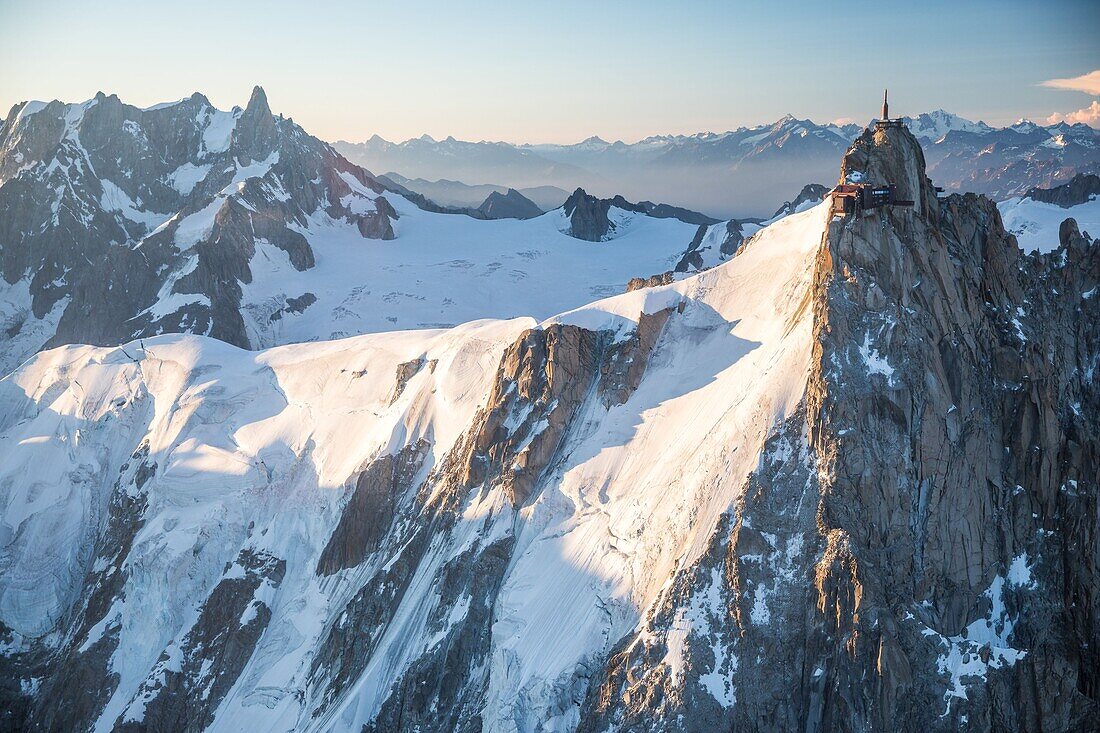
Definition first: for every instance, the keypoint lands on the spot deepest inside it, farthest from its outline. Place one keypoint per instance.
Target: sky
(562, 71)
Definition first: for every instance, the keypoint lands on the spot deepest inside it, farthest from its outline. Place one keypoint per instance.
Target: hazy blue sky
(557, 71)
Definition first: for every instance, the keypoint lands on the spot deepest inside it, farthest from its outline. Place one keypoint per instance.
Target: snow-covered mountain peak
(932, 126)
(1024, 125)
(595, 141)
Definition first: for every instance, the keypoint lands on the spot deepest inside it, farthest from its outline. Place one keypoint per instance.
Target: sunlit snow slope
(1035, 223)
(174, 515)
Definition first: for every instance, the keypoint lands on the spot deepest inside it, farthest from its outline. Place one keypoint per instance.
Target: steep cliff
(919, 553)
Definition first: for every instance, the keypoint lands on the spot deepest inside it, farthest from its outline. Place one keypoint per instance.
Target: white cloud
(1088, 83)
(1089, 115)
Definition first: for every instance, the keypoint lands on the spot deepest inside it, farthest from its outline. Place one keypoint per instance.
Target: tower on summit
(856, 195)
(884, 120)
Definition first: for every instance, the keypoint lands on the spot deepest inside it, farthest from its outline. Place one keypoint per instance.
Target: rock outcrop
(730, 236)
(1081, 188)
(637, 283)
(589, 216)
(542, 380)
(811, 193)
(370, 510)
(510, 205)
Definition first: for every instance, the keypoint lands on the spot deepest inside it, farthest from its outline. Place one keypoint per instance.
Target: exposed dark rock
(385, 208)
(370, 511)
(692, 258)
(510, 205)
(587, 216)
(542, 379)
(624, 363)
(188, 682)
(637, 283)
(945, 435)
(406, 371)
(810, 192)
(295, 305)
(1080, 189)
(375, 225)
(256, 134)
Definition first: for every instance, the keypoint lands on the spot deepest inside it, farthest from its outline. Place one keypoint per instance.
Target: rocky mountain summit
(874, 507)
(119, 223)
(510, 205)
(595, 220)
(122, 222)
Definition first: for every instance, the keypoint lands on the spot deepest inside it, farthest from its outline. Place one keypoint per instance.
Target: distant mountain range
(463, 195)
(745, 172)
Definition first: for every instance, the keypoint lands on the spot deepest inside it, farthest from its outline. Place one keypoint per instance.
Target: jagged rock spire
(256, 132)
(257, 103)
(890, 154)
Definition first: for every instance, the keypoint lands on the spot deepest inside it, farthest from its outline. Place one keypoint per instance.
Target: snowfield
(446, 269)
(1035, 223)
(254, 450)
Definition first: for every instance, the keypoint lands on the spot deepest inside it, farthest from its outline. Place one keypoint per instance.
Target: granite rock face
(950, 415)
(587, 216)
(543, 379)
(940, 570)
